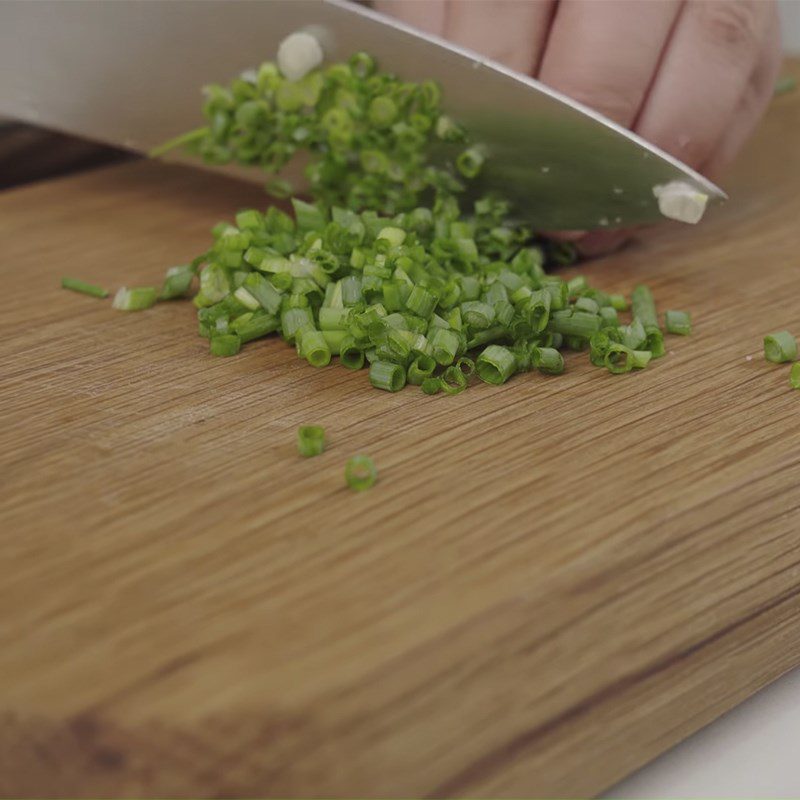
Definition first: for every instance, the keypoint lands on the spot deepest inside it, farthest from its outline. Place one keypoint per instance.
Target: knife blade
(129, 73)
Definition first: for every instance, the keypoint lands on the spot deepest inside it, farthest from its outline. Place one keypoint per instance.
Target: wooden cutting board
(552, 582)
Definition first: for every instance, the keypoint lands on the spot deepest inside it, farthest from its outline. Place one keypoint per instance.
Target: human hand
(691, 76)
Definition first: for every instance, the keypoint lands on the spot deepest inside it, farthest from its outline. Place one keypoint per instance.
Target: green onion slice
(310, 440)
(360, 473)
(75, 285)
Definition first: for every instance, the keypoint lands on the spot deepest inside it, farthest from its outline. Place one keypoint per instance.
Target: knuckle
(733, 24)
(617, 101)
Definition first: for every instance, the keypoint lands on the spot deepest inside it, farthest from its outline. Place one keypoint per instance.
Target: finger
(512, 32)
(751, 107)
(703, 75)
(426, 15)
(605, 54)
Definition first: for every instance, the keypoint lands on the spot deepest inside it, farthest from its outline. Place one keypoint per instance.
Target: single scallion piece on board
(678, 322)
(794, 376)
(76, 285)
(310, 440)
(135, 299)
(360, 473)
(780, 347)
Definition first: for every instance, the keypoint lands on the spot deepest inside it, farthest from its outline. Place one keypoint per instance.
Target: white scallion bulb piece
(298, 54)
(681, 201)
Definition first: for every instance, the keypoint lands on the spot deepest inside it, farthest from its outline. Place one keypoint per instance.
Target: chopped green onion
(176, 282)
(453, 380)
(618, 358)
(577, 284)
(422, 367)
(293, 319)
(794, 376)
(421, 302)
(263, 291)
(654, 341)
(598, 347)
(315, 348)
(432, 385)
(254, 326)
(784, 85)
(640, 358)
(678, 322)
(477, 315)
(279, 188)
(587, 304)
(644, 307)
(387, 376)
(608, 317)
(469, 162)
(227, 344)
(495, 364)
(382, 112)
(618, 302)
(360, 473)
(307, 216)
(394, 236)
(388, 261)
(634, 335)
(310, 440)
(75, 285)
(185, 139)
(547, 360)
(537, 310)
(350, 354)
(780, 347)
(466, 365)
(246, 299)
(445, 345)
(298, 54)
(576, 343)
(334, 319)
(135, 299)
(577, 323)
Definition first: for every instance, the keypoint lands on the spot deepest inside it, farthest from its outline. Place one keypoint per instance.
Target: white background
(752, 751)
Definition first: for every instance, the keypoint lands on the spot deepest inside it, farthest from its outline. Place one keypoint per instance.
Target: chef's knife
(129, 73)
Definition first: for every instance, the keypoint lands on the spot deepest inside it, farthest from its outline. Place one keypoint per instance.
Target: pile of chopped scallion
(390, 265)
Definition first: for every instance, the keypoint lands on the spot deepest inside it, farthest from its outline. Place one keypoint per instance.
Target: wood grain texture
(552, 582)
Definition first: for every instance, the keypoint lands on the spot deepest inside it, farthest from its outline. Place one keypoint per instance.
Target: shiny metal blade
(129, 73)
